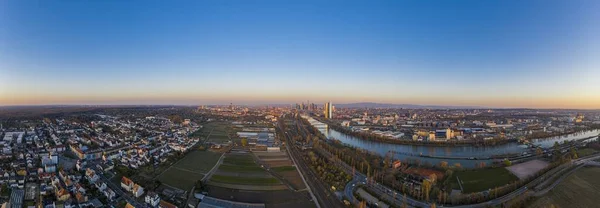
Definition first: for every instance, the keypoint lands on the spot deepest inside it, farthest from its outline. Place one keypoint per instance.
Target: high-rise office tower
(328, 110)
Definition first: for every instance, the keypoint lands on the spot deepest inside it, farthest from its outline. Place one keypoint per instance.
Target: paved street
(117, 189)
(322, 193)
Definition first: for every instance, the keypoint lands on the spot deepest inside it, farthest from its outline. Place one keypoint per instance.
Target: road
(119, 191)
(396, 198)
(213, 169)
(325, 198)
(388, 194)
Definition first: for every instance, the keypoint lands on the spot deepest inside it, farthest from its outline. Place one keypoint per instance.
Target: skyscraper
(328, 110)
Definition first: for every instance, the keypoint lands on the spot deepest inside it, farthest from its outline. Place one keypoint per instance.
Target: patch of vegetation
(585, 152)
(577, 190)
(328, 172)
(5, 190)
(199, 161)
(237, 168)
(283, 168)
(243, 160)
(183, 180)
(244, 180)
(483, 179)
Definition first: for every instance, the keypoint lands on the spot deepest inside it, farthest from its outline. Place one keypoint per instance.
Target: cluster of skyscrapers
(308, 106)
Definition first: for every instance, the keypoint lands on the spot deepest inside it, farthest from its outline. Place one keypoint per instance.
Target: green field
(244, 180)
(483, 179)
(240, 160)
(581, 189)
(199, 161)
(235, 168)
(188, 170)
(183, 180)
(242, 164)
(218, 131)
(585, 152)
(283, 168)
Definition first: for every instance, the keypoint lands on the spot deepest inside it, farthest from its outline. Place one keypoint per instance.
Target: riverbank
(451, 143)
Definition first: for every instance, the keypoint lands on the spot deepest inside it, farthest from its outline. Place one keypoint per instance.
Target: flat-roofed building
(16, 198)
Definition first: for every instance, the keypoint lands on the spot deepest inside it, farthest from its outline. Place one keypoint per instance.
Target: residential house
(152, 199)
(132, 187)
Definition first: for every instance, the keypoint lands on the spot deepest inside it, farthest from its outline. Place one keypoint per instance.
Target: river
(450, 151)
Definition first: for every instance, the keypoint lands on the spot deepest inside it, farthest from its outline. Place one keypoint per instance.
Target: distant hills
(409, 106)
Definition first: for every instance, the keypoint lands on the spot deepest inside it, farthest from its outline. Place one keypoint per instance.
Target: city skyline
(498, 54)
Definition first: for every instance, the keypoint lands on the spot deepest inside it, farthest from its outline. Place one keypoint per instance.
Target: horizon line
(422, 106)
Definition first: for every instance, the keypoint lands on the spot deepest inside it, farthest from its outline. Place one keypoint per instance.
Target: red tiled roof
(126, 180)
(164, 204)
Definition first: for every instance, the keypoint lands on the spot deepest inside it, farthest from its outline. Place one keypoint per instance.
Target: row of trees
(327, 171)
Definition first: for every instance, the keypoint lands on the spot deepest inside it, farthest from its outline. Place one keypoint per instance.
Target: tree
(507, 162)
(426, 186)
(556, 151)
(433, 205)
(457, 166)
(444, 165)
(5, 190)
(200, 186)
(244, 142)
(539, 151)
(573, 153)
(433, 178)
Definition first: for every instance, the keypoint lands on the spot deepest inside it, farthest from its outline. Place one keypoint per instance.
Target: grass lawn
(237, 168)
(585, 152)
(483, 179)
(283, 168)
(183, 180)
(244, 180)
(199, 161)
(581, 189)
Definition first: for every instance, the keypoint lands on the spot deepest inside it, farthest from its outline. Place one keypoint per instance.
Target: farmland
(284, 168)
(581, 189)
(241, 170)
(198, 161)
(276, 199)
(215, 132)
(280, 165)
(234, 168)
(188, 170)
(244, 180)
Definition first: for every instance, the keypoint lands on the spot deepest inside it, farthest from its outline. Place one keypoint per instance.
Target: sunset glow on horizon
(497, 54)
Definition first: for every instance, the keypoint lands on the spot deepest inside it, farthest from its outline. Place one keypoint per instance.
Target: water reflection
(456, 151)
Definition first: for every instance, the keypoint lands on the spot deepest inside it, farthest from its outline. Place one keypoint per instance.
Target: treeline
(328, 172)
(545, 135)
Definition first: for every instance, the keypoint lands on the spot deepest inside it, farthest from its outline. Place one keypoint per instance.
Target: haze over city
(505, 54)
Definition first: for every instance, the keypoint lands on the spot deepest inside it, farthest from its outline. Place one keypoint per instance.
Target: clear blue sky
(488, 53)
